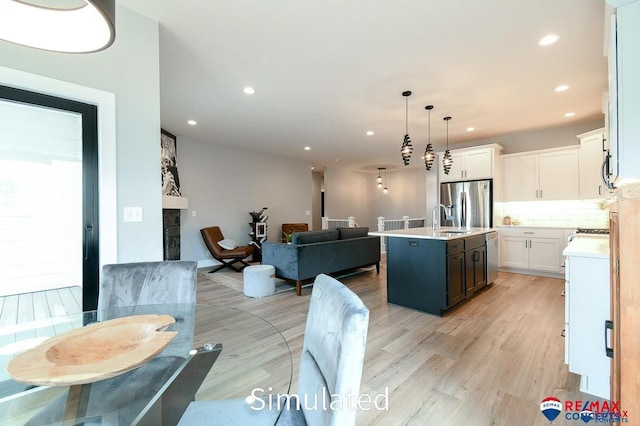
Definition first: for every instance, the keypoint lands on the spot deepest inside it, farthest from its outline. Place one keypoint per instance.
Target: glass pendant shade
(72, 26)
(429, 155)
(447, 160)
(379, 178)
(407, 147)
(407, 150)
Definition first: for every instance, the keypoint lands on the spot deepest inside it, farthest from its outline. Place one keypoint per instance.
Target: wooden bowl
(95, 352)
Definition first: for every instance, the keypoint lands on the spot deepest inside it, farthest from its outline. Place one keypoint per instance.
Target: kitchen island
(435, 270)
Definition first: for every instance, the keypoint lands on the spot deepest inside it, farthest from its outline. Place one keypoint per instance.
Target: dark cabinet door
(475, 266)
(455, 279)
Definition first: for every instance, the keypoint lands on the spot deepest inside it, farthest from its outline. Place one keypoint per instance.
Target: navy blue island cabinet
(434, 275)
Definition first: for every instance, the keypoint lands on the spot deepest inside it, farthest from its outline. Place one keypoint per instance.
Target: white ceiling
(327, 71)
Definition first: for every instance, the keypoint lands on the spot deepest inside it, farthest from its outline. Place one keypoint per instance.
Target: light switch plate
(133, 214)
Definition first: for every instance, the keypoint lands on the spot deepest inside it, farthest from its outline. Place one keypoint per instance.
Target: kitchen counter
(541, 226)
(589, 246)
(443, 233)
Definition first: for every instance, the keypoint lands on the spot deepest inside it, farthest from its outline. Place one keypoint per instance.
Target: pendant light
(385, 190)
(74, 26)
(379, 178)
(429, 154)
(447, 161)
(407, 148)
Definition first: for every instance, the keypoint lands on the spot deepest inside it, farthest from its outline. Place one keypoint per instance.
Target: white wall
(407, 194)
(224, 184)
(129, 68)
(347, 193)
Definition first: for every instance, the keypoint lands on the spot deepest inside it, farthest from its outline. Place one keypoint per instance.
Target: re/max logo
(595, 406)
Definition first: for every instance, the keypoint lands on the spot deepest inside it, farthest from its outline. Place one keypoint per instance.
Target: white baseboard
(208, 262)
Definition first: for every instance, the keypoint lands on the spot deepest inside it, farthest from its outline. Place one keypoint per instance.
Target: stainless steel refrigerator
(472, 203)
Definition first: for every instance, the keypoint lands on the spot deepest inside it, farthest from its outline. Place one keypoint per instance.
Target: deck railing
(349, 222)
(392, 224)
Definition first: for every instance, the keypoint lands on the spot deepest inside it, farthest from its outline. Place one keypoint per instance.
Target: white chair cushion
(228, 244)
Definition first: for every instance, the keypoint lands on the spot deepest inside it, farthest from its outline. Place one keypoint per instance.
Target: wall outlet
(132, 214)
(308, 213)
(193, 213)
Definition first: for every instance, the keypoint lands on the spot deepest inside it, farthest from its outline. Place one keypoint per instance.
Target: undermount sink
(452, 232)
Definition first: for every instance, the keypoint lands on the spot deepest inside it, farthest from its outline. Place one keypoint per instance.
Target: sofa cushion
(346, 233)
(314, 236)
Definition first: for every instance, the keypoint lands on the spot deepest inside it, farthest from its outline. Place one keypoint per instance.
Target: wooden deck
(18, 311)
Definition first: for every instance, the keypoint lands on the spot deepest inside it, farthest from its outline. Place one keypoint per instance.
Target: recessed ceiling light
(548, 39)
(470, 129)
(249, 90)
(561, 88)
(192, 122)
(307, 148)
(570, 114)
(312, 168)
(370, 133)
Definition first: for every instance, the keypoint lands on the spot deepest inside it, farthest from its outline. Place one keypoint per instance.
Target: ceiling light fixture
(429, 155)
(192, 122)
(249, 90)
(307, 148)
(407, 148)
(570, 114)
(470, 129)
(561, 88)
(548, 39)
(379, 178)
(447, 161)
(80, 26)
(370, 133)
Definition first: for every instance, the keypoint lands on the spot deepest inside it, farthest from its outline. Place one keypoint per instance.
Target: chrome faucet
(436, 209)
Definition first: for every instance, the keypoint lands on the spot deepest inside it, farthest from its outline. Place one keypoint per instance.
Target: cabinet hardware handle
(541, 193)
(526, 244)
(537, 193)
(599, 189)
(88, 232)
(528, 232)
(608, 349)
(529, 243)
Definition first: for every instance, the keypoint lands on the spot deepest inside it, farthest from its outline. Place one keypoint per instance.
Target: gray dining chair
(331, 363)
(147, 283)
(137, 289)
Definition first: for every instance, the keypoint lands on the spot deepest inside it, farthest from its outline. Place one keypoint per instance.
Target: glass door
(48, 196)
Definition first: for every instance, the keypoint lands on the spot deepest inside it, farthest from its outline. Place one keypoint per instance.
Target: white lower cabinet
(586, 310)
(534, 249)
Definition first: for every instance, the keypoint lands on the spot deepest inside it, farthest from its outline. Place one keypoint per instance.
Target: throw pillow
(228, 244)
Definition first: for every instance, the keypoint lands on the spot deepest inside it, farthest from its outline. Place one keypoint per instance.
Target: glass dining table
(219, 353)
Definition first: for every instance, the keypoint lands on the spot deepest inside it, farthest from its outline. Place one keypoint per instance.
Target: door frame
(106, 104)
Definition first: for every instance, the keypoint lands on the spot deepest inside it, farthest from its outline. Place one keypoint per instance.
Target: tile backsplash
(578, 213)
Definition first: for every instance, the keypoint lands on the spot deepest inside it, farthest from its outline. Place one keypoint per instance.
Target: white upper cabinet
(542, 175)
(592, 155)
(471, 164)
(521, 177)
(624, 90)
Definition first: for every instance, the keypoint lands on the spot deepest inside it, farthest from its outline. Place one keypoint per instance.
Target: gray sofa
(322, 252)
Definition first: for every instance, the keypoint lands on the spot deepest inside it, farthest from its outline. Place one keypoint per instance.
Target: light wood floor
(489, 362)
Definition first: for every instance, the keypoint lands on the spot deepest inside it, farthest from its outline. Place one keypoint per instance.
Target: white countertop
(541, 226)
(443, 233)
(596, 246)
